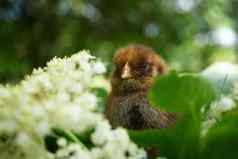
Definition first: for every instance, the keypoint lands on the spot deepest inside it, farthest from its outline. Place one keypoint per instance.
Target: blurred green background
(189, 34)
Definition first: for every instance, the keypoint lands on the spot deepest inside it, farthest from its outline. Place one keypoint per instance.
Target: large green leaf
(184, 93)
(180, 92)
(180, 141)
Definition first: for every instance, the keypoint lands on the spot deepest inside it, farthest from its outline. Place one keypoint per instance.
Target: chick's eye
(145, 66)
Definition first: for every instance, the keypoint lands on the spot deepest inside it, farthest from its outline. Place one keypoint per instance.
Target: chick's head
(136, 67)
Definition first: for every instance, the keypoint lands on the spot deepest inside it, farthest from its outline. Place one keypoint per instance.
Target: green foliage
(178, 142)
(181, 92)
(186, 94)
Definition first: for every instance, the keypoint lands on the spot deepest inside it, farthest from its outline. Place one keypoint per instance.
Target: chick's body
(128, 106)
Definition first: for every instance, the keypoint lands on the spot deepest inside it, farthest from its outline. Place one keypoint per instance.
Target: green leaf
(184, 93)
(70, 136)
(102, 94)
(180, 141)
(180, 92)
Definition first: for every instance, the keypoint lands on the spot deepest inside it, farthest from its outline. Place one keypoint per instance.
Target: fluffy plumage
(136, 68)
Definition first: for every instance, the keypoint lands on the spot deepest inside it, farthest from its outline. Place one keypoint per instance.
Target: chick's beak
(126, 72)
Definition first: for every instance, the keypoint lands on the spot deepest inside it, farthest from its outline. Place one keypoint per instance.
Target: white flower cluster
(60, 96)
(214, 114)
(109, 144)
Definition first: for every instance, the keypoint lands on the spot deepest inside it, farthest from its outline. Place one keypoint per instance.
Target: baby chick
(128, 106)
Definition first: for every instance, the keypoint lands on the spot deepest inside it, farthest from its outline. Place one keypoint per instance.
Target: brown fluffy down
(128, 105)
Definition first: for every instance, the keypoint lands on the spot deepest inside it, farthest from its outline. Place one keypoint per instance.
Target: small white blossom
(4, 92)
(214, 114)
(62, 142)
(206, 125)
(227, 103)
(87, 100)
(218, 107)
(73, 151)
(99, 68)
(43, 128)
(22, 138)
(101, 134)
(38, 111)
